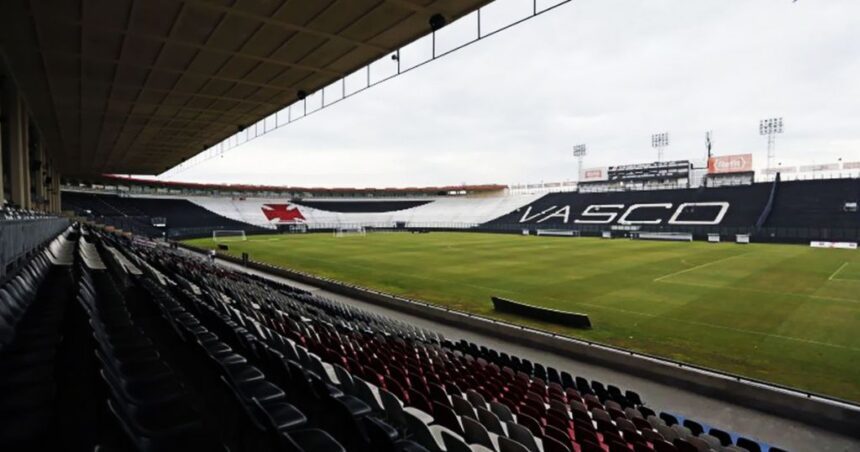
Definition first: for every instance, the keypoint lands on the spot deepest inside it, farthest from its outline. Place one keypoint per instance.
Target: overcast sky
(607, 73)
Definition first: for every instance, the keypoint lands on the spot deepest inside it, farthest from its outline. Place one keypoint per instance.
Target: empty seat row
(432, 376)
(185, 354)
(32, 309)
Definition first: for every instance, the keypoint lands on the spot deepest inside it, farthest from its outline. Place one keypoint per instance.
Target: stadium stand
(816, 204)
(112, 342)
(360, 206)
(188, 355)
(184, 218)
(250, 213)
(745, 204)
(799, 211)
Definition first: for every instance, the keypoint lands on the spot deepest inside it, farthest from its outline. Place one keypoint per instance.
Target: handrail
(765, 213)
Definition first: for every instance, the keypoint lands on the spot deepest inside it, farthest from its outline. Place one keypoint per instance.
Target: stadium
(695, 304)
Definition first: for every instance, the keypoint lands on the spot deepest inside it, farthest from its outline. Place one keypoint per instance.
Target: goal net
(349, 231)
(226, 235)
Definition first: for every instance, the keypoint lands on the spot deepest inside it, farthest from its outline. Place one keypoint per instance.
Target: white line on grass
(768, 292)
(599, 306)
(845, 264)
(723, 327)
(698, 267)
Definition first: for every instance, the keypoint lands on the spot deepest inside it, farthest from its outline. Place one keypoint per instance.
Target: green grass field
(788, 314)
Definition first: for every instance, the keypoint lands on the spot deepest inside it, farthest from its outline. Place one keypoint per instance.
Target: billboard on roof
(820, 167)
(594, 174)
(677, 169)
(725, 164)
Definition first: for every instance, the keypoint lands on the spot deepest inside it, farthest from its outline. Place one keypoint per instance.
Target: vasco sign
(652, 213)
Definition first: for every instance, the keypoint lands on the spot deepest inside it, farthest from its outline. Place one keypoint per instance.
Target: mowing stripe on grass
(723, 327)
(713, 317)
(768, 292)
(643, 314)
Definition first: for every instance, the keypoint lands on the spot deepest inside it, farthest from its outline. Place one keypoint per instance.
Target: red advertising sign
(594, 174)
(740, 163)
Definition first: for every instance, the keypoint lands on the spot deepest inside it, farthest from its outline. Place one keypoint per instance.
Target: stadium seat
(724, 437)
(296, 371)
(475, 433)
(523, 436)
(509, 445)
(454, 444)
(748, 444)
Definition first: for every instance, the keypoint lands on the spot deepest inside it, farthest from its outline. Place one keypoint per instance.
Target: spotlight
(437, 21)
(302, 94)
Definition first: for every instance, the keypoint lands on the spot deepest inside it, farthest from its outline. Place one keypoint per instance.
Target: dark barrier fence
(727, 234)
(764, 235)
(18, 238)
(528, 311)
(138, 225)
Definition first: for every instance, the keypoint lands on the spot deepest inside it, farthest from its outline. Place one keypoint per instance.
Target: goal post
(228, 235)
(349, 231)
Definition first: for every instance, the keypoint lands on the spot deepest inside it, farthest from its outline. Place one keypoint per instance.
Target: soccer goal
(349, 231)
(227, 235)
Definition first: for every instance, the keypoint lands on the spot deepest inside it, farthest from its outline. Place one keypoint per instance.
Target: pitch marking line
(841, 267)
(727, 328)
(767, 292)
(691, 322)
(698, 267)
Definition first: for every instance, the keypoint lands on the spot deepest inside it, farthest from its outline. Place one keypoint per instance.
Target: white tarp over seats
(454, 212)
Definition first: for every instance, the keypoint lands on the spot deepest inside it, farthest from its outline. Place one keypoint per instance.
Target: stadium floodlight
(770, 128)
(660, 141)
(579, 152)
(708, 142)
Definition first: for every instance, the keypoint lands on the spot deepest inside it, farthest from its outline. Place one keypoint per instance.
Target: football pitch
(788, 314)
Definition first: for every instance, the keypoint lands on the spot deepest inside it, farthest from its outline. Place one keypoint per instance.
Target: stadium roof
(138, 86)
(123, 180)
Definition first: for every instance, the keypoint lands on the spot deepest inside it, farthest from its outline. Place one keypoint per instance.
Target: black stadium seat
(184, 355)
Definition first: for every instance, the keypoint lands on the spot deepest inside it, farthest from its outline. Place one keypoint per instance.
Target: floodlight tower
(770, 127)
(660, 141)
(708, 143)
(579, 152)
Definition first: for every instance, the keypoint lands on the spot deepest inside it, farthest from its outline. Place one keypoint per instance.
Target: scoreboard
(677, 169)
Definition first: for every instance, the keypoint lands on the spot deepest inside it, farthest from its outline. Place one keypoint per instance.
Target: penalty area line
(841, 267)
(726, 328)
(698, 267)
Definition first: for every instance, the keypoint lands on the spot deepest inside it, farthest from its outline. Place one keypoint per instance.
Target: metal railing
(18, 238)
